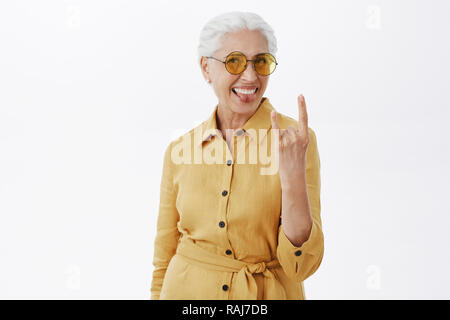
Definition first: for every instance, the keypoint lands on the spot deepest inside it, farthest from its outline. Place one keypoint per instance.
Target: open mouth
(240, 92)
(245, 95)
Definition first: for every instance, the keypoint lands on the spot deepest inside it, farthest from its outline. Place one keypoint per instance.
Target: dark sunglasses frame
(246, 62)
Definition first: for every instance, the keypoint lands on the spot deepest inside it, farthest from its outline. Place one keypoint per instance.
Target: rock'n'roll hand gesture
(293, 144)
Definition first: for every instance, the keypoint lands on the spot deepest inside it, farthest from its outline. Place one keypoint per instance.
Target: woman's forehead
(249, 42)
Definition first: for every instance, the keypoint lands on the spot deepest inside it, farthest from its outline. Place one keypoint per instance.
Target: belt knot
(257, 267)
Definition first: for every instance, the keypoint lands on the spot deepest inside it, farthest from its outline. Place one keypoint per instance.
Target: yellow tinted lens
(235, 63)
(265, 64)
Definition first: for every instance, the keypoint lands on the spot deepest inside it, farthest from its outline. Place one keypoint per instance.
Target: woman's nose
(249, 73)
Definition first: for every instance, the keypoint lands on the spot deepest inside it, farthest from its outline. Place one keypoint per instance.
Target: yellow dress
(219, 231)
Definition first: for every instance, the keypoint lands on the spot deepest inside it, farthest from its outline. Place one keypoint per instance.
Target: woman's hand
(293, 144)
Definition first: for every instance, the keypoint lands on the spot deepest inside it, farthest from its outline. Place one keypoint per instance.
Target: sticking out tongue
(245, 98)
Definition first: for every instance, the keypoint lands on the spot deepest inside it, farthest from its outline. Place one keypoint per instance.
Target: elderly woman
(230, 226)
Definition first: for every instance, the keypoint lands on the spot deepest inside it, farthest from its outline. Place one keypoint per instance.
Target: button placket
(243, 139)
(226, 193)
(227, 281)
(226, 284)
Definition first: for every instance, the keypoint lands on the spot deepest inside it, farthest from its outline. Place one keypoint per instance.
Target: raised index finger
(274, 120)
(302, 115)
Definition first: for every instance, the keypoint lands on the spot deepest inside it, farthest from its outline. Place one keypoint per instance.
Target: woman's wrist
(295, 180)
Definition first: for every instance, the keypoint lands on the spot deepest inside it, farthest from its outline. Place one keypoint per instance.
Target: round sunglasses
(236, 62)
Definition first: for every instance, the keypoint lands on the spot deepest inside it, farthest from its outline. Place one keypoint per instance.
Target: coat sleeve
(301, 262)
(167, 234)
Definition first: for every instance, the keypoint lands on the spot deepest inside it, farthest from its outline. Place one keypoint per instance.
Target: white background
(92, 92)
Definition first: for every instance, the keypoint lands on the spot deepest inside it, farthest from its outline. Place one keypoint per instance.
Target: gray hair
(212, 32)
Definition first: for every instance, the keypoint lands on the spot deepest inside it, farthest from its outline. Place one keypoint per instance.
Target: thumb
(273, 118)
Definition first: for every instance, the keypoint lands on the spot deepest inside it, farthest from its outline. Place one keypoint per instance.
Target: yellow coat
(219, 233)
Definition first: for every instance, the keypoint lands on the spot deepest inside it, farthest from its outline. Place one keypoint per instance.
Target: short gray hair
(214, 29)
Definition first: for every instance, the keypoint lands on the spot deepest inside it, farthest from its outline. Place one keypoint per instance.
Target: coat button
(229, 162)
(228, 252)
(225, 287)
(298, 253)
(224, 192)
(221, 224)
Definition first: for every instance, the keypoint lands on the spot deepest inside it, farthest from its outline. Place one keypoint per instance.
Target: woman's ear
(205, 68)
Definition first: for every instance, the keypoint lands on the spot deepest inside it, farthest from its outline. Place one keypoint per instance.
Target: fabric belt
(245, 287)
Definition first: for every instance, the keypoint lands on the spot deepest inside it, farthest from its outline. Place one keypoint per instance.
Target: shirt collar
(259, 120)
